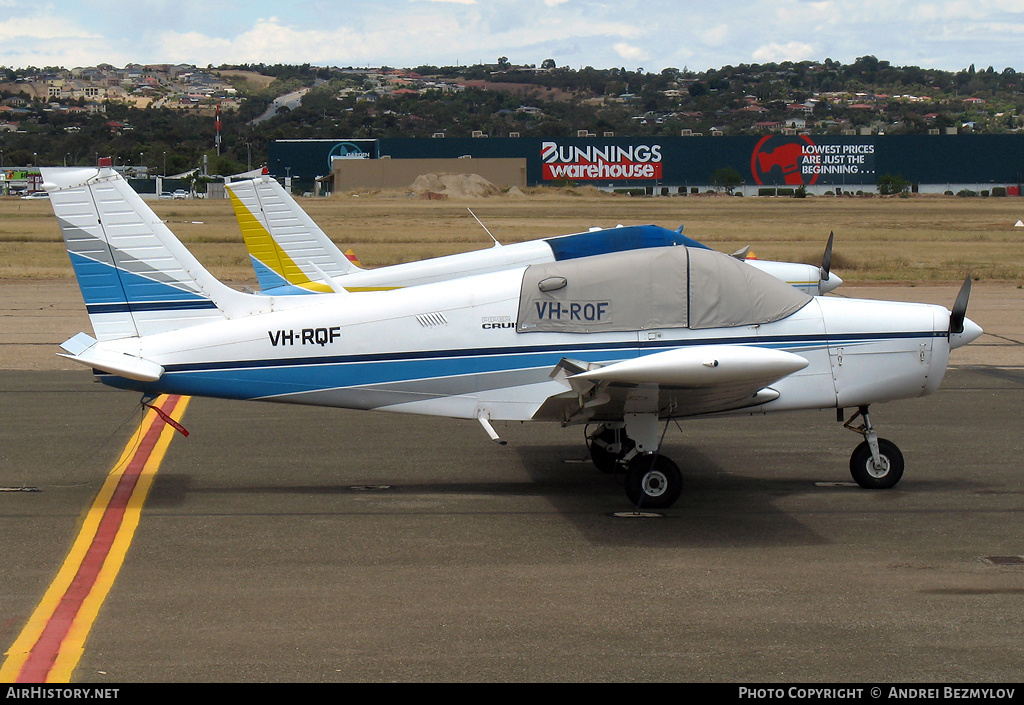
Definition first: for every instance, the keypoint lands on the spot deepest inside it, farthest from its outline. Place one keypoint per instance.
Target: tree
(547, 64)
(697, 89)
(726, 179)
(889, 185)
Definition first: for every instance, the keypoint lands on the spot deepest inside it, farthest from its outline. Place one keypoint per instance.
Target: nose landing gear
(877, 463)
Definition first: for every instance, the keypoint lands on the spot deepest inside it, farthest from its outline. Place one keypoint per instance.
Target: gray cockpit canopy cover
(666, 287)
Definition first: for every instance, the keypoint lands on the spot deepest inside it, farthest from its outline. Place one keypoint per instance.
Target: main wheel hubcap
(655, 483)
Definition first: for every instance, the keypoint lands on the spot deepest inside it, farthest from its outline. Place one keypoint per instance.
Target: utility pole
(216, 125)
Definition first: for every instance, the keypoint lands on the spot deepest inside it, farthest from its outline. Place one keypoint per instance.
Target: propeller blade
(959, 312)
(826, 259)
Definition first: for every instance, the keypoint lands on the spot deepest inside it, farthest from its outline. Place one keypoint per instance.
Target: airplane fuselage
(455, 351)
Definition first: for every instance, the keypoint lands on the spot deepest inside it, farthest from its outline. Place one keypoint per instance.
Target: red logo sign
(780, 155)
(798, 160)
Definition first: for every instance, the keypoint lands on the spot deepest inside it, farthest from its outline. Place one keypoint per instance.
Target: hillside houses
(135, 84)
(804, 97)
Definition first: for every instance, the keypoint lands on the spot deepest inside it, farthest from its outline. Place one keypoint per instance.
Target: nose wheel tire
(881, 476)
(653, 482)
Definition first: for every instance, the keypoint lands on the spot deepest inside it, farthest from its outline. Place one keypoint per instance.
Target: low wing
(680, 382)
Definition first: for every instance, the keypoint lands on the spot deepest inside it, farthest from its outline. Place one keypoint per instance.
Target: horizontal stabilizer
(329, 280)
(81, 350)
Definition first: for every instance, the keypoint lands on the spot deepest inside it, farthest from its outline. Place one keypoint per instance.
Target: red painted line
(37, 666)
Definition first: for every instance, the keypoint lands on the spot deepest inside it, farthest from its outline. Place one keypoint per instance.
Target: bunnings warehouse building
(663, 165)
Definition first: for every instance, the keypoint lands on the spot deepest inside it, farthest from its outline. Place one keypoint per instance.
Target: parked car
(180, 194)
(34, 195)
(166, 195)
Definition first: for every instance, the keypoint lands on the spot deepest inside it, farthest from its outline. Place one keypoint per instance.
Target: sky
(634, 34)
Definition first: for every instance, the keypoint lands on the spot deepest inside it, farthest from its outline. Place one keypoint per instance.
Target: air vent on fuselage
(429, 320)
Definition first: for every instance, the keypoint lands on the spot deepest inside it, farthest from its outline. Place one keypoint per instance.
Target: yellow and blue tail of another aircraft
(289, 252)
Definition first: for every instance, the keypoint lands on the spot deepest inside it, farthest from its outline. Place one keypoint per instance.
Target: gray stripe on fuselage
(392, 393)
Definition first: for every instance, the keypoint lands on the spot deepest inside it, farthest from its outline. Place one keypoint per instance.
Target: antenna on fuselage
(496, 243)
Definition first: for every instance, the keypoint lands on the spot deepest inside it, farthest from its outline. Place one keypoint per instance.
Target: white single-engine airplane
(292, 255)
(624, 342)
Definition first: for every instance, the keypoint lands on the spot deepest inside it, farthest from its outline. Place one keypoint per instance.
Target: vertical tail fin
(287, 248)
(136, 277)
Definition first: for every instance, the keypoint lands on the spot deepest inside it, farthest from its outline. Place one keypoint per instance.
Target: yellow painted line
(53, 641)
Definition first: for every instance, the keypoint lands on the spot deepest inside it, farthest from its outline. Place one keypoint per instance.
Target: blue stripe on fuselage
(252, 379)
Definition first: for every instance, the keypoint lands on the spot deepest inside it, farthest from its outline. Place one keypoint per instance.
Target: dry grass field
(905, 240)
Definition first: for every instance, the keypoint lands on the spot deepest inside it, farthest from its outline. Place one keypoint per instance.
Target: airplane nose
(971, 332)
(827, 285)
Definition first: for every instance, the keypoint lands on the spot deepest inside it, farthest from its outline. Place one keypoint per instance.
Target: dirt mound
(454, 186)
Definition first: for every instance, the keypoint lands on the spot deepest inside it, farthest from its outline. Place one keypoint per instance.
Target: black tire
(653, 482)
(867, 475)
(605, 460)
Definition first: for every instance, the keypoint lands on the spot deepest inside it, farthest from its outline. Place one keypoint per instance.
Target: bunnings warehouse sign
(774, 159)
(767, 160)
(600, 163)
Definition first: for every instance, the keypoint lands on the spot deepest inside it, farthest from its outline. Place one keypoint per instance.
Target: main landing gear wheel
(653, 482)
(608, 448)
(883, 476)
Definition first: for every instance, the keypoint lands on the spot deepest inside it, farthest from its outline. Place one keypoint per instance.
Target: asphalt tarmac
(298, 544)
